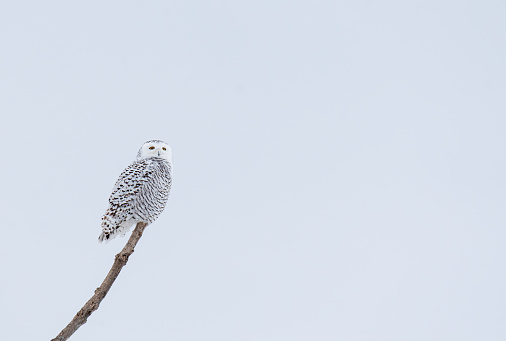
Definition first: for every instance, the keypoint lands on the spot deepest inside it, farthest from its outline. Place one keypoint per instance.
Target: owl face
(155, 148)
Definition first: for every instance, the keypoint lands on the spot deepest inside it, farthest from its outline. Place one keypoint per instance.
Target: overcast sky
(338, 168)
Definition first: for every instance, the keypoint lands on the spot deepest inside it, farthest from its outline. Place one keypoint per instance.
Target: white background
(339, 168)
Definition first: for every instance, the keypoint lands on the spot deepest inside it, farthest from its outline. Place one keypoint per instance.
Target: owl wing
(125, 191)
(129, 183)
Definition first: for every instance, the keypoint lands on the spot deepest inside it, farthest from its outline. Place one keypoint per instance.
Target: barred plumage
(141, 192)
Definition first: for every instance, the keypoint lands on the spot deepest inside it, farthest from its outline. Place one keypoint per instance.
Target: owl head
(155, 148)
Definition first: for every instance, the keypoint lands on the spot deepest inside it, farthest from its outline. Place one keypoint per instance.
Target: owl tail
(105, 236)
(111, 234)
(120, 230)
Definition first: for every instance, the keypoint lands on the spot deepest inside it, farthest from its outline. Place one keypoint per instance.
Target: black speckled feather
(139, 195)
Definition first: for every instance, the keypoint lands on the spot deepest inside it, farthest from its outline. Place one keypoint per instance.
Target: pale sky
(338, 168)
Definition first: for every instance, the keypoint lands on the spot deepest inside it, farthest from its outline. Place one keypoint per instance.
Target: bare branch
(119, 262)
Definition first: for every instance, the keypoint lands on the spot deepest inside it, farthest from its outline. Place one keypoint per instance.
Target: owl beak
(158, 153)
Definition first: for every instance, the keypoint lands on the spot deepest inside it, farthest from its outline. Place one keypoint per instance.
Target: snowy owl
(141, 192)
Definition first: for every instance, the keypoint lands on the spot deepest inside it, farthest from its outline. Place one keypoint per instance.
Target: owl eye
(151, 147)
(164, 148)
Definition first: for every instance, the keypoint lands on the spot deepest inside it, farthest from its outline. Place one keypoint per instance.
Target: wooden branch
(119, 262)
